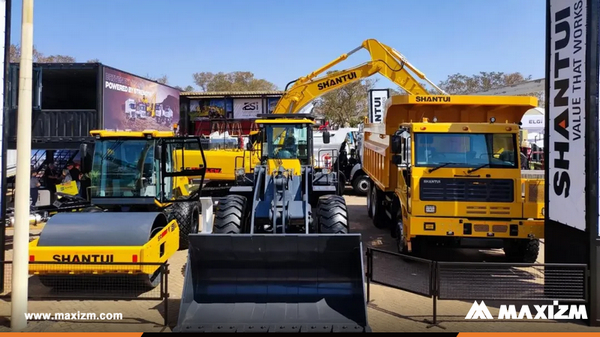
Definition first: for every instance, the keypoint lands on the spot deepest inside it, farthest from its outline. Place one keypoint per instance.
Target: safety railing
(54, 282)
(477, 281)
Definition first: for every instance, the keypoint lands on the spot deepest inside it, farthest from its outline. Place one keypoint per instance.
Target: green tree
(93, 61)
(38, 57)
(346, 106)
(234, 81)
(459, 84)
(164, 79)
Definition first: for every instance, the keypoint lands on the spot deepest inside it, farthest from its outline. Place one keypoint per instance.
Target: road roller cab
(144, 207)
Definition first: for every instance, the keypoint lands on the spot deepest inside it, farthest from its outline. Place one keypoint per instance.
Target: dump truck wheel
(230, 215)
(361, 185)
(523, 251)
(187, 215)
(332, 215)
(377, 211)
(369, 201)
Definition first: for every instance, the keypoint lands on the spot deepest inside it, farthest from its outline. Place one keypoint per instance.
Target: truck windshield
(466, 150)
(119, 167)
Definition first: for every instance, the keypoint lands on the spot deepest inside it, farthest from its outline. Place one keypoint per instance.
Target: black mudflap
(281, 282)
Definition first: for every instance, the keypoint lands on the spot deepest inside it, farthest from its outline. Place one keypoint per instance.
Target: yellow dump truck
(445, 170)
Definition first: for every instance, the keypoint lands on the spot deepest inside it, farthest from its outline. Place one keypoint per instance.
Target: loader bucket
(273, 283)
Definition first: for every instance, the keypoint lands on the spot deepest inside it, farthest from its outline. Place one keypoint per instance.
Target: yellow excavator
(228, 167)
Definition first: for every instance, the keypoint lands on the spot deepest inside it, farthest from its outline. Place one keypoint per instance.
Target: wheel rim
(363, 185)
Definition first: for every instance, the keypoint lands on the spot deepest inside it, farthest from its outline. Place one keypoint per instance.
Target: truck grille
(463, 189)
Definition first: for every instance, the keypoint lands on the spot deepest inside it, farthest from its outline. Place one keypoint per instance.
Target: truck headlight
(240, 172)
(430, 209)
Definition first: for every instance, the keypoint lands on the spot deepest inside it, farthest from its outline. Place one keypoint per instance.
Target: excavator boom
(384, 60)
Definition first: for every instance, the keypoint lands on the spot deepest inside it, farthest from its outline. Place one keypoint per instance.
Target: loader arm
(384, 60)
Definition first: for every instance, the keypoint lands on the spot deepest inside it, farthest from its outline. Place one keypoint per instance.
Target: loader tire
(332, 215)
(187, 215)
(230, 215)
(522, 251)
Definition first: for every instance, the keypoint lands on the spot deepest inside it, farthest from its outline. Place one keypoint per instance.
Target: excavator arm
(384, 60)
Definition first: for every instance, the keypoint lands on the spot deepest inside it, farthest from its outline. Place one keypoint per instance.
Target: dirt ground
(390, 310)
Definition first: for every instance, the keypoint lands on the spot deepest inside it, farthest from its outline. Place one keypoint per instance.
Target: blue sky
(282, 40)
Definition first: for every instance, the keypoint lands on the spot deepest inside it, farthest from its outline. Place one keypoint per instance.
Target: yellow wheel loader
(281, 257)
(144, 209)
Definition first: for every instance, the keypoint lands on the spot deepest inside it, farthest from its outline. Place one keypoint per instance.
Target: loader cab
(143, 170)
(287, 138)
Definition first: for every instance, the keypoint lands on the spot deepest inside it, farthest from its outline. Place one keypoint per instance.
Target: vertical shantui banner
(377, 98)
(566, 135)
(136, 104)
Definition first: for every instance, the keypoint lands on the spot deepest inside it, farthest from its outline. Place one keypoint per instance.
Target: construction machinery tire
(369, 201)
(341, 183)
(377, 212)
(332, 215)
(230, 214)
(187, 215)
(360, 185)
(522, 250)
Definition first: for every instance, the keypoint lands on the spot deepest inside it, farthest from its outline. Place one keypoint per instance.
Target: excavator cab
(280, 258)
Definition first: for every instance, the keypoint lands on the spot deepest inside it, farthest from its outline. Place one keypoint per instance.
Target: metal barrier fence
(53, 282)
(477, 281)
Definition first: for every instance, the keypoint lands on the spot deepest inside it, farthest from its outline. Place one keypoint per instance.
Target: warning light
(134, 259)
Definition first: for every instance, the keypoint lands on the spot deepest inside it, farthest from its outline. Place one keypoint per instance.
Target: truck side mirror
(326, 137)
(396, 144)
(397, 159)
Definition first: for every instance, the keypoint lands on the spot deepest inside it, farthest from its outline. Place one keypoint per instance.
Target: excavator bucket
(273, 283)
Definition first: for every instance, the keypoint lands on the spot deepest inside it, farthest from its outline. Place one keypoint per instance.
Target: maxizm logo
(554, 311)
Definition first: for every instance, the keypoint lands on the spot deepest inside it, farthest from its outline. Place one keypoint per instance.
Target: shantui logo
(554, 311)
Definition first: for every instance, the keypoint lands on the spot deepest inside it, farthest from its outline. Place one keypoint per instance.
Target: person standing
(50, 179)
(75, 175)
(34, 186)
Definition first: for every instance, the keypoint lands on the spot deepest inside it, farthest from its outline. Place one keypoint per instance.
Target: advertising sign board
(566, 113)
(136, 104)
(247, 108)
(377, 98)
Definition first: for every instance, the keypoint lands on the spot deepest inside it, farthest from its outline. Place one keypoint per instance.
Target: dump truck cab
(144, 208)
(447, 170)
